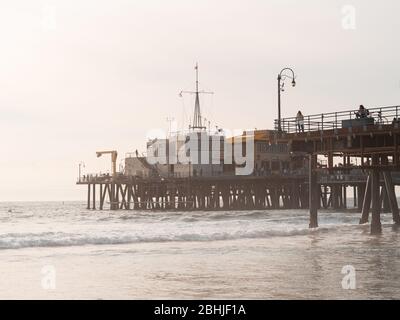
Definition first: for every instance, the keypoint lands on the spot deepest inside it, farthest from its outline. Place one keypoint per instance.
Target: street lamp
(81, 164)
(281, 84)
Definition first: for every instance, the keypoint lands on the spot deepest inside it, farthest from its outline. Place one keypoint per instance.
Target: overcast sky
(78, 76)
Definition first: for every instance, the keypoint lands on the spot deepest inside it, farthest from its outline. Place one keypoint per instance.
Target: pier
(343, 153)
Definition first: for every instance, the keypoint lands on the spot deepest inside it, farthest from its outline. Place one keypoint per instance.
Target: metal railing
(334, 120)
(94, 177)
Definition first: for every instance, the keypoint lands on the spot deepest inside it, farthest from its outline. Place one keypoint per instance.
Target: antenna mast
(197, 119)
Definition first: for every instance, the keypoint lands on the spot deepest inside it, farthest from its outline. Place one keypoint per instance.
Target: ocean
(55, 250)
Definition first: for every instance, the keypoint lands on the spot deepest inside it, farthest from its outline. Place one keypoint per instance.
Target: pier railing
(335, 120)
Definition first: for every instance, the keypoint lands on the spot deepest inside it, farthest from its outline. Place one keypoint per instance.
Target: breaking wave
(61, 239)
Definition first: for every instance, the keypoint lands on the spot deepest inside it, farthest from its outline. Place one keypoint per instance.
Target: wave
(189, 217)
(61, 239)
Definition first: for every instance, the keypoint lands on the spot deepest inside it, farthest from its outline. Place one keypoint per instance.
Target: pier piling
(313, 192)
(376, 226)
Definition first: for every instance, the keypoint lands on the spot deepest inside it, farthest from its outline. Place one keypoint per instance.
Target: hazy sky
(78, 76)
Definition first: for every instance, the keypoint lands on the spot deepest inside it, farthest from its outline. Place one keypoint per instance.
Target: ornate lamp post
(281, 78)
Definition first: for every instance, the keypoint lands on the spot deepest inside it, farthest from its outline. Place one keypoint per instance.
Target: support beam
(94, 196)
(396, 150)
(391, 194)
(88, 197)
(384, 196)
(330, 157)
(384, 200)
(112, 197)
(355, 201)
(376, 227)
(344, 196)
(366, 205)
(101, 196)
(313, 191)
(335, 195)
(360, 196)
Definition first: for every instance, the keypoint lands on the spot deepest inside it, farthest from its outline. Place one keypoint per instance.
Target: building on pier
(208, 157)
(193, 154)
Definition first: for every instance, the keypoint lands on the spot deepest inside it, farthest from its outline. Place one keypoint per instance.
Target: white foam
(61, 239)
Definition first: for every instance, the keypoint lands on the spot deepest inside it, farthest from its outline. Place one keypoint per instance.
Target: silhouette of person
(300, 121)
(362, 112)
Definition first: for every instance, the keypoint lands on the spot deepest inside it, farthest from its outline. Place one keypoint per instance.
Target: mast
(197, 119)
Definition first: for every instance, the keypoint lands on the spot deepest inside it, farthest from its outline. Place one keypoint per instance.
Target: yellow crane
(114, 155)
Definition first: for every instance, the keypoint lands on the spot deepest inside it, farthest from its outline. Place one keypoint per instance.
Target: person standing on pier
(300, 121)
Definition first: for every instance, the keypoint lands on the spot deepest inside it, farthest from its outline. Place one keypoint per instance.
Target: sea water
(55, 250)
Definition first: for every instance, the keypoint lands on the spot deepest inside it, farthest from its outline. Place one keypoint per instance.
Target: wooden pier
(366, 148)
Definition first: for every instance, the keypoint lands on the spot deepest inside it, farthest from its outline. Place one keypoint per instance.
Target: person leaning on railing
(362, 112)
(300, 121)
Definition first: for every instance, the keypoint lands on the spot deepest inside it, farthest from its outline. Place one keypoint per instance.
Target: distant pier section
(367, 140)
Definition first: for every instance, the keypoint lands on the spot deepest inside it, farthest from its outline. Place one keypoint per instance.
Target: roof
(258, 136)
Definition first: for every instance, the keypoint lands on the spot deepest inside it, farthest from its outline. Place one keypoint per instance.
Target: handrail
(334, 120)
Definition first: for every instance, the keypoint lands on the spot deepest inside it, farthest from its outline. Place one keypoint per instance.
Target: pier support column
(376, 227)
(385, 194)
(112, 197)
(295, 195)
(313, 192)
(384, 200)
(324, 196)
(360, 196)
(391, 194)
(366, 204)
(330, 160)
(355, 200)
(88, 197)
(94, 196)
(335, 195)
(101, 196)
(344, 196)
